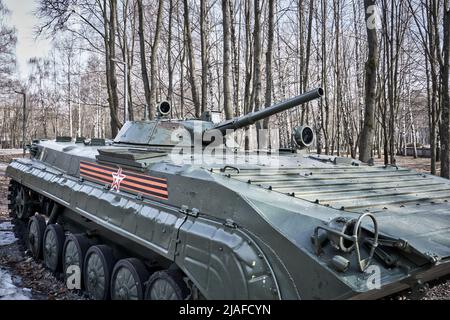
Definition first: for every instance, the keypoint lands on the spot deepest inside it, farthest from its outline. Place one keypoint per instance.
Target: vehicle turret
(160, 132)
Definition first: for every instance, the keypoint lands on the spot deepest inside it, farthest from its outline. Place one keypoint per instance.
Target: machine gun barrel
(252, 117)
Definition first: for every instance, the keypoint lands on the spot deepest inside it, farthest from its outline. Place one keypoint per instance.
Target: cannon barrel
(252, 117)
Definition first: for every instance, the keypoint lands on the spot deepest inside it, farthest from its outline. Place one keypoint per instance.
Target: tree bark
(169, 54)
(236, 48)
(248, 68)
(305, 75)
(337, 74)
(191, 60)
(248, 59)
(366, 141)
(325, 100)
(269, 56)
(69, 90)
(257, 57)
(433, 43)
(127, 53)
(154, 54)
(145, 80)
(204, 53)
(227, 99)
(110, 52)
(445, 121)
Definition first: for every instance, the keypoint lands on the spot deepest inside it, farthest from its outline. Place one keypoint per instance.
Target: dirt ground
(23, 278)
(419, 164)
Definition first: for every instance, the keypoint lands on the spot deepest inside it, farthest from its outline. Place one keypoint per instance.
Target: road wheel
(74, 251)
(128, 278)
(166, 285)
(36, 230)
(23, 203)
(97, 269)
(53, 246)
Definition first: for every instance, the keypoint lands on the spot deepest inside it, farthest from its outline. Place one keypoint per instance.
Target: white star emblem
(117, 179)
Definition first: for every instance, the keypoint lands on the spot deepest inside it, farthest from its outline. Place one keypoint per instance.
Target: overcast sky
(24, 21)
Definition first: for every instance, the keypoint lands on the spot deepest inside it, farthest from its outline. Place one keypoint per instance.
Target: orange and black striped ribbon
(132, 182)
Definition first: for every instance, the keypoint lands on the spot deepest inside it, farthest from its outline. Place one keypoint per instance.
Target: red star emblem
(117, 179)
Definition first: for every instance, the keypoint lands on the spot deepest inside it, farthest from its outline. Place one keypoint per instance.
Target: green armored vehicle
(155, 214)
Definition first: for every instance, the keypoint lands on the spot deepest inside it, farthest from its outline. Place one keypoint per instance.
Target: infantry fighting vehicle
(131, 219)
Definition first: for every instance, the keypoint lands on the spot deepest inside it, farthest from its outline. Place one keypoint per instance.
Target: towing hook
(338, 233)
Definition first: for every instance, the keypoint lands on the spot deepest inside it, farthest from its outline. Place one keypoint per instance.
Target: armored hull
(247, 232)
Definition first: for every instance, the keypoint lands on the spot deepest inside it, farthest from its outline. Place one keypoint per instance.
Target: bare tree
(170, 67)
(236, 48)
(155, 44)
(248, 65)
(305, 68)
(126, 37)
(191, 59)
(227, 60)
(37, 78)
(110, 46)
(204, 52)
(145, 80)
(56, 18)
(269, 54)
(367, 135)
(445, 122)
(324, 103)
(256, 93)
(66, 46)
(8, 40)
(248, 58)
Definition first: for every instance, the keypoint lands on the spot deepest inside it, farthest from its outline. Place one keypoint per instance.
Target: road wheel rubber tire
(128, 280)
(35, 238)
(53, 247)
(166, 285)
(23, 203)
(74, 252)
(97, 269)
